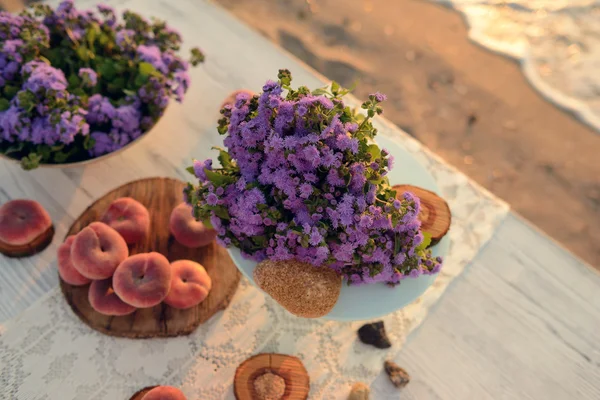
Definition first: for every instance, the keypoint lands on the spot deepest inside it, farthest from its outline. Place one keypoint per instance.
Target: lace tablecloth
(47, 353)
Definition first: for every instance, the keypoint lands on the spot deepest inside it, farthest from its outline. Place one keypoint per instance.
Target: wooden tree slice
(139, 395)
(291, 369)
(160, 196)
(35, 246)
(434, 215)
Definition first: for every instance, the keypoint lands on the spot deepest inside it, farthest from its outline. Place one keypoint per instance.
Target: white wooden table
(523, 322)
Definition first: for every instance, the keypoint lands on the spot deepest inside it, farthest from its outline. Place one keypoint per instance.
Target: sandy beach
(473, 107)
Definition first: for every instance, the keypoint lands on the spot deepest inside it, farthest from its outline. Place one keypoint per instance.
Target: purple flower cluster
(301, 179)
(80, 84)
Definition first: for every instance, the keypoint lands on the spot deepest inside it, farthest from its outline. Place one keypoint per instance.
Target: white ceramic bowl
(375, 300)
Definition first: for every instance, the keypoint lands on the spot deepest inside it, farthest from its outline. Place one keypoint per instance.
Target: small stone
(359, 391)
(398, 376)
(374, 334)
(269, 386)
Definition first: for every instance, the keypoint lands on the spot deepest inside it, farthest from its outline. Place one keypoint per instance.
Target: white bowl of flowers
(303, 180)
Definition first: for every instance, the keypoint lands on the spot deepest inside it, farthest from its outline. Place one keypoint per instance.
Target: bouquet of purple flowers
(79, 84)
(301, 179)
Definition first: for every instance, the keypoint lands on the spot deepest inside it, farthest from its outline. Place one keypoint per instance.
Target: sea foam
(556, 41)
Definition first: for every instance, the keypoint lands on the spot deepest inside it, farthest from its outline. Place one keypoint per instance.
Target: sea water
(556, 41)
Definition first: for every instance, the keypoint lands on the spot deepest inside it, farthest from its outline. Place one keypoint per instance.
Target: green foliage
(31, 161)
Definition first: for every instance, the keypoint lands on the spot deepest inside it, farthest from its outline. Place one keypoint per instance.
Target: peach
(98, 250)
(164, 393)
(143, 280)
(22, 221)
(103, 299)
(66, 270)
(187, 230)
(190, 284)
(129, 217)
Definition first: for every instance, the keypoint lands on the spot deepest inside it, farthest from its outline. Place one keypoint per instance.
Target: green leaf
(78, 92)
(74, 81)
(15, 148)
(206, 222)
(10, 91)
(107, 69)
(31, 161)
(335, 87)
(103, 39)
(88, 142)
(260, 241)
(119, 83)
(129, 92)
(426, 241)
(221, 212)
(224, 157)
(320, 91)
(375, 152)
(91, 35)
(140, 80)
(147, 69)
(218, 179)
(61, 156)
(4, 104)
(82, 53)
(191, 170)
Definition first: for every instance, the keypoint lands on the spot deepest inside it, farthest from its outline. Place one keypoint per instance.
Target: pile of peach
(121, 283)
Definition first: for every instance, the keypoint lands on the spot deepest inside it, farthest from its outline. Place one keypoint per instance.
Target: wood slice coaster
(141, 393)
(160, 196)
(435, 213)
(31, 248)
(290, 368)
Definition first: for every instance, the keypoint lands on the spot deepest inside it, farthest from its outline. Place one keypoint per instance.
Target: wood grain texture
(160, 196)
(434, 214)
(521, 323)
(290, 368)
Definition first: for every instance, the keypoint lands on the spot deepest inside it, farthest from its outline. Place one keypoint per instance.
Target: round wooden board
(160, 196)
(141, 393)
(290, 368)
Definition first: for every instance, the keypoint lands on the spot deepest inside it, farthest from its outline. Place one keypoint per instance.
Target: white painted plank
(522, 323)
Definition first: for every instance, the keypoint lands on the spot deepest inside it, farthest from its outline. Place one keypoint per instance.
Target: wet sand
(469, 105)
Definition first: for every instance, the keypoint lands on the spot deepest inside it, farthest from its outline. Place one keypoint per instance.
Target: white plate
(375, 300)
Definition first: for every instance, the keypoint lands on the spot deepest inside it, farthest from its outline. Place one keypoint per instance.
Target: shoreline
(565, 103)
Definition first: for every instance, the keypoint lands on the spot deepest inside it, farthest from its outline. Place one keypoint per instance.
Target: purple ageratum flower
(305, 190)
(127, 118)
(212, 199)
(152, 55)
(199, 168)
(89, 76)
(379, 96)
(125, 39)
(100, 109)
(44, 77)
(182, 81)
(11, 49)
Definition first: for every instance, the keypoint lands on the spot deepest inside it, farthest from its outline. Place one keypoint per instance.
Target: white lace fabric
(48, 353)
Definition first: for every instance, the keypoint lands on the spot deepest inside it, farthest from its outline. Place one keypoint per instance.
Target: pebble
(359, 391)
(397, 375)
(374, 334)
